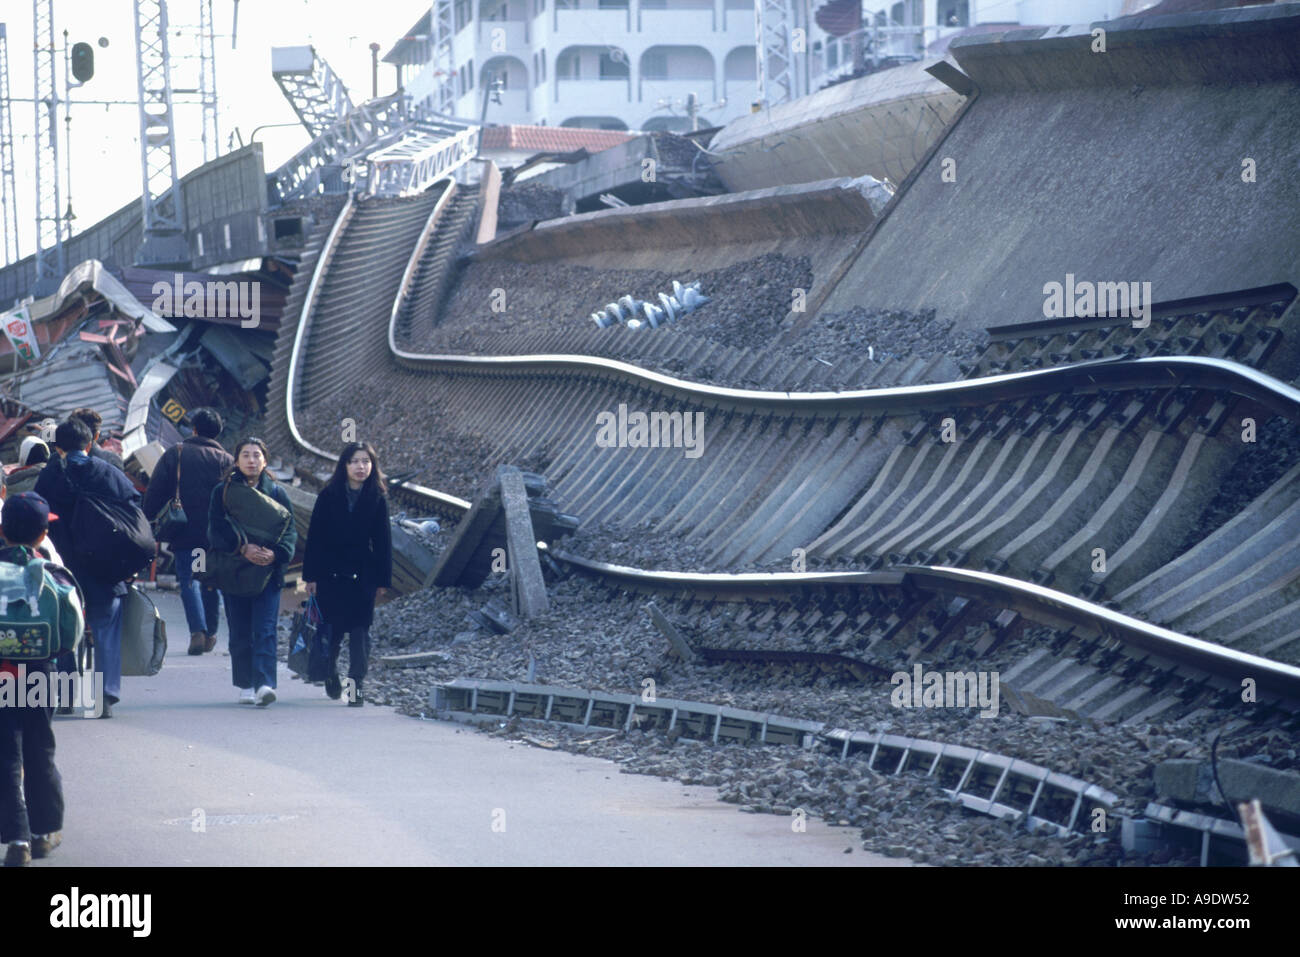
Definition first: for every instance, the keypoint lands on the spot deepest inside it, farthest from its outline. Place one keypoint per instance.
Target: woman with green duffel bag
(252, 536)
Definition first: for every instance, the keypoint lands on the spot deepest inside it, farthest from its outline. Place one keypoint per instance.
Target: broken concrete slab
(1191, 781)
(453, 565)
(666, 628)
(480, 544)
(527, 587)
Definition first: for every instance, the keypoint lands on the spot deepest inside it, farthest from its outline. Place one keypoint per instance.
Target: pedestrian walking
(31, 791)
(93, 421)
(99, 565)
(252, 537)
(348, 560)
(188, 472)
(33, 456)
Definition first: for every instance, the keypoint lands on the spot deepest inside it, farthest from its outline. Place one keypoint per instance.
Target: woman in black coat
(349, 559)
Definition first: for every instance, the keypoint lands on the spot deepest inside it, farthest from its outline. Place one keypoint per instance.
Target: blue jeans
(252, 637)
(202, 605)
(105, 621)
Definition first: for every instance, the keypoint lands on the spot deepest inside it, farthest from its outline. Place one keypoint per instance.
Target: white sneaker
(265, 695)
(246, 696)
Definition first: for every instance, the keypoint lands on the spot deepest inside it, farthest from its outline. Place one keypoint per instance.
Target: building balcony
(676, 91)
(589, 27)
(464, 47)
(697, 24)
(515, 38)
(610, 97)
(420, 83)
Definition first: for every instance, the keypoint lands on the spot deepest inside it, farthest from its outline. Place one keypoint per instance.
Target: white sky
(105, 155)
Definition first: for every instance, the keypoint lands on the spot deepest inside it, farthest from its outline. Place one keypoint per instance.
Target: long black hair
(266, 457)
(375, 482)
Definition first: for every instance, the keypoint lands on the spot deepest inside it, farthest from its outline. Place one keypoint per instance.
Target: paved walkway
(184, 775)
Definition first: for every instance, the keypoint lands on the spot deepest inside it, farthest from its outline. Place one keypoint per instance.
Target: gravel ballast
(595, 639)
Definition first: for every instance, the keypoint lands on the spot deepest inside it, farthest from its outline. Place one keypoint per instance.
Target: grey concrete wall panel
(1117, 166)
(879, 125)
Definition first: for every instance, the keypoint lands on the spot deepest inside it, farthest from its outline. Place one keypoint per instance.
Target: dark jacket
(204, 463)
(107, 455)
(222, 535)
(97, 477)
(349, 554)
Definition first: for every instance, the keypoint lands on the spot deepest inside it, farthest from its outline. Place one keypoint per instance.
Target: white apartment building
(601, 64)
(634, 64)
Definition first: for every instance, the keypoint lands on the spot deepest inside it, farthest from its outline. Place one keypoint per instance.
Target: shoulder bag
(172, 520)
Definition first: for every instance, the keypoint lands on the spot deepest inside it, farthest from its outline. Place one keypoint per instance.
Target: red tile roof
(551, 139)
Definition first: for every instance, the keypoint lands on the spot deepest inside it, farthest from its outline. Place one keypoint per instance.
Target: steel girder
(320, 163)
(313, 89)
(428, 153)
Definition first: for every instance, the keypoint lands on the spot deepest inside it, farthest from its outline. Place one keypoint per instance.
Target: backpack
(111, 540)
(39, 617)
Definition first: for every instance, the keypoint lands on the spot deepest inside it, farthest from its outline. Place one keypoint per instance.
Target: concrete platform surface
(182, 775)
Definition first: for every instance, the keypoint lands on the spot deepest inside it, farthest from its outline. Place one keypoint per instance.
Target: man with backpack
(189, 472)
(43, 615)
(105, 539)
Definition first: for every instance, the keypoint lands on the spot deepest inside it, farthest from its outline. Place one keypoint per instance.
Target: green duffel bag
(256, 518)
(236, 575)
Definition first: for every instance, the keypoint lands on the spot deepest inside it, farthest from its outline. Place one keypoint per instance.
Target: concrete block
(1192, 782)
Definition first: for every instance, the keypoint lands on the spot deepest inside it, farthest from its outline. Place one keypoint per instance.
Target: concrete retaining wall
(1118, 166)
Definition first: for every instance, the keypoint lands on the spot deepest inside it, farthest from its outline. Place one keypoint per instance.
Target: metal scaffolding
(49, 221)
(164, 214)
(8, 191)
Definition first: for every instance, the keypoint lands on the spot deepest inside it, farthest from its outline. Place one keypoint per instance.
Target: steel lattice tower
(49, 225)
(444, 66)
(780, 77)
(208, 82)
(163, 210)
(8, 191)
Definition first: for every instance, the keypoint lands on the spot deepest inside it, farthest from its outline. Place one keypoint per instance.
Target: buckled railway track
(971, 507)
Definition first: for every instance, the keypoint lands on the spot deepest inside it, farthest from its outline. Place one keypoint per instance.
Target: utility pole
(8, 189)
(49, 219)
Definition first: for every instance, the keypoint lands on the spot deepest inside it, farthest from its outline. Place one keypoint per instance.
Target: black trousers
(358, 652)
(30, 802)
